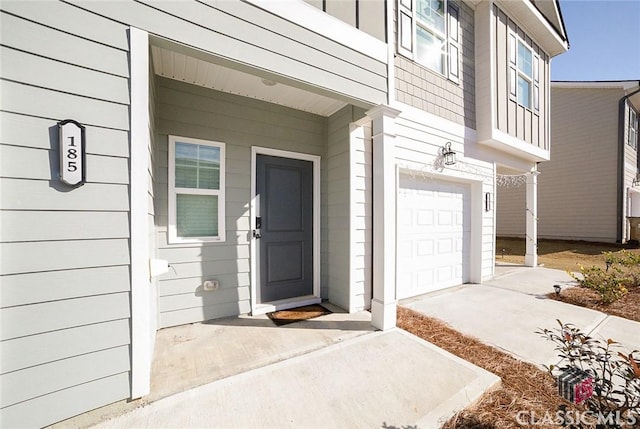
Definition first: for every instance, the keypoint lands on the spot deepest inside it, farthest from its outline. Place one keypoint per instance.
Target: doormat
(284, 317)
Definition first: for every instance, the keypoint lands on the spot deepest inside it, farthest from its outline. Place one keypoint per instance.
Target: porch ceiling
(178, 66)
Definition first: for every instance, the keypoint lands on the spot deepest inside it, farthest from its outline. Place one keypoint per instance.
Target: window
(428, 33)
(524, 74)
(632, 135)
(196, 190)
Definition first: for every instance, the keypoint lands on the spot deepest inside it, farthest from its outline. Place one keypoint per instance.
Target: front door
(284, 227)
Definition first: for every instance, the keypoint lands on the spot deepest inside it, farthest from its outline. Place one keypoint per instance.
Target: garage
(434, 233)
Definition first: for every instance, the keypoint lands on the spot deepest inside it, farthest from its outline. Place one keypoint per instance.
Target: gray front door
(284, 187)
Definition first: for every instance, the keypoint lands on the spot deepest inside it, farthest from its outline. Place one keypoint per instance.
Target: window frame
(516, 72)
(632, 129)
(174, 191)
(407, 16)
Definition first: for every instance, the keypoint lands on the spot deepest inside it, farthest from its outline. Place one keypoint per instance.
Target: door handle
(256, 233)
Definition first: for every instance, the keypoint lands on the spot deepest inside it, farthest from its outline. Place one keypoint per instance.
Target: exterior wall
(511, 211)
(241, 33)
(512, 118)
(361, 153)
(630, 172)
(419, 139)
(190, 111)
(368, 16)
(338, 170)
(428, 90)
(577, 196)
(65, 252)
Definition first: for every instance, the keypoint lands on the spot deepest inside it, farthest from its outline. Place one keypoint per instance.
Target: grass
(558, 254)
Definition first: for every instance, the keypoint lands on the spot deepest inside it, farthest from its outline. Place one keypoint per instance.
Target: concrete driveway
(507, 310)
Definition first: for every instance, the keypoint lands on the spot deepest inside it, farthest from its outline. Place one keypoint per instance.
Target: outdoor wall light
(487, 201)
(557, 288)
(448, 154)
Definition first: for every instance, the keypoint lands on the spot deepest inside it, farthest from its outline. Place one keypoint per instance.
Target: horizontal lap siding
(251, 36)
(572, 202)
(189, 111)
(417, 149)
(65, 252)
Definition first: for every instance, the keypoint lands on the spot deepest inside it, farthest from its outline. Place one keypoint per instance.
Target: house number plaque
(72, 150)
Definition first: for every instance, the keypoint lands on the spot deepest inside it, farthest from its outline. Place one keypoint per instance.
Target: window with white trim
(524, 74)
(196, 190)
(632, 134)
(428, 33)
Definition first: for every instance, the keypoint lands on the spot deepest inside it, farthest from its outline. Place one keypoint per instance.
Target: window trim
(632, 129)
(173, 192)
(516, 71)
(407, 16)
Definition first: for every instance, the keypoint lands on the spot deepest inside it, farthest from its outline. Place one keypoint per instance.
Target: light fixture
(448, 154)
(268, 82)
(487, 201)
(557, 288)
(636, 181)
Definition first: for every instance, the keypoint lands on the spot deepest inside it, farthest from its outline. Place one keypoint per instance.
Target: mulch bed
(627, 306)
(525, 388)
(284, 317)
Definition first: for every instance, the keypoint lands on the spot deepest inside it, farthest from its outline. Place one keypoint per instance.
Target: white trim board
(141, 326)
(261, 308)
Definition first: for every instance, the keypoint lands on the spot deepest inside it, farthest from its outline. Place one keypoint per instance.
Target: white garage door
(433, 235)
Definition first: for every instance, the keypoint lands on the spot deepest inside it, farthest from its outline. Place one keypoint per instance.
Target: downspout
(621, 143)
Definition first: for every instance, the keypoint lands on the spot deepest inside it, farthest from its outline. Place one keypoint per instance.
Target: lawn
(525, 390)
(558, 254)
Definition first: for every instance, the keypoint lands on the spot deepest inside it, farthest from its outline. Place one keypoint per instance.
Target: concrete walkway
(507, 310)
(386, 379)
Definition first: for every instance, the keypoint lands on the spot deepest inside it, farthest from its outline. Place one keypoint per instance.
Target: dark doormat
(284, 317)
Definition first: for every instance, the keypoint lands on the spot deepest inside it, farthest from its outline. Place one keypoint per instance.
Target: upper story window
(632, 134)
(524, 73)
(428, 33)
(196, 190)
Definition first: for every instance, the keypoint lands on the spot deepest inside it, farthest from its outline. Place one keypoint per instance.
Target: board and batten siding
(242, 33)
(368, 16)
(512, 118)
(425, 89)
(239, 122)
(65, 281)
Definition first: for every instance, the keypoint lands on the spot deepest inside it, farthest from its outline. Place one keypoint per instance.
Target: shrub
(616, 376)
(609, 284)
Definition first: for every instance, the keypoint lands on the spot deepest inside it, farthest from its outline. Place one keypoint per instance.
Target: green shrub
(612, 283)
(609, 284)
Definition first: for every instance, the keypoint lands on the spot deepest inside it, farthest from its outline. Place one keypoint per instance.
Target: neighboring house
(243, 157)
(589, 189)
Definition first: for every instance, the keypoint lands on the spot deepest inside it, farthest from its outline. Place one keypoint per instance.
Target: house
(166, 163)
(589, 189)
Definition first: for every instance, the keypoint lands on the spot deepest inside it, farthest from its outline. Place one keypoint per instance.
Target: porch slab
(192, 355)
(381, 379)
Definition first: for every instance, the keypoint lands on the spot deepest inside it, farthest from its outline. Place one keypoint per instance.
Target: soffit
(175, 65)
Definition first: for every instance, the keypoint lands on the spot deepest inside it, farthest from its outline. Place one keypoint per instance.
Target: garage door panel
(433, 235)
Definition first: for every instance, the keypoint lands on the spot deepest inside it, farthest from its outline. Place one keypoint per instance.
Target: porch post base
(531, 260)
(383, 315)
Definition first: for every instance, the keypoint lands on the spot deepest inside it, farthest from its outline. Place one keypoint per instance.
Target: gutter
(622, 104)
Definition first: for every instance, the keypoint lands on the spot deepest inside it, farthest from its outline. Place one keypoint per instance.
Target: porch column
(531, 256)
(383, 304)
